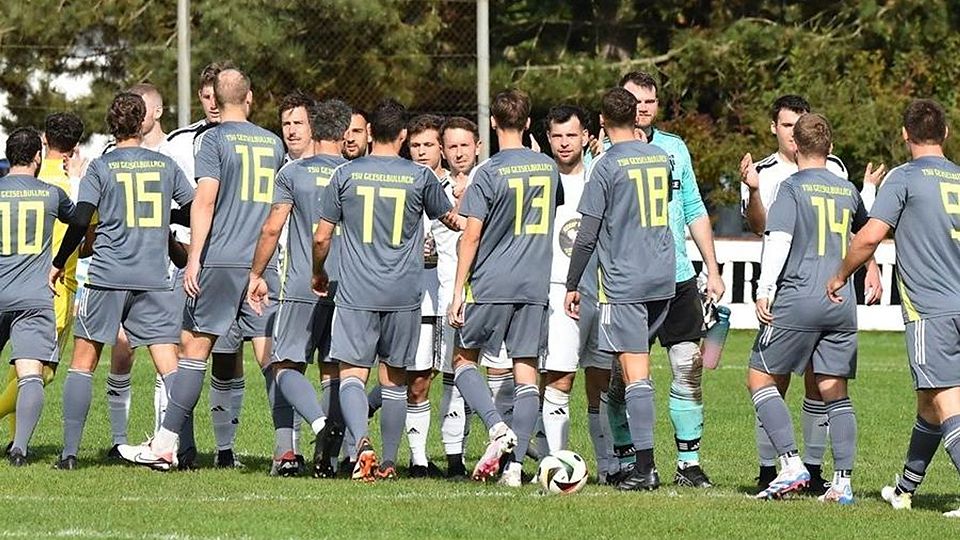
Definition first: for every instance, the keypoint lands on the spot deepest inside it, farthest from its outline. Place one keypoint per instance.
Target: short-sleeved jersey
(628, 189)
(28, 208)
(565, 226)
(921, 200)
(514, 194)
(303, 184)
(132, 189)
(438, 281)
(820, 210)
(773, 170)
(244, 158)
(180, 146)
(379, 202)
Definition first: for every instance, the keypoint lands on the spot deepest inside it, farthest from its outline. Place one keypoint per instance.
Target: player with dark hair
(357, 139)
(295, 123)
(27, 319)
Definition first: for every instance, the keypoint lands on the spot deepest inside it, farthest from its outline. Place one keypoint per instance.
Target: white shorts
(502, 361)
(435, 349)
(563, 340)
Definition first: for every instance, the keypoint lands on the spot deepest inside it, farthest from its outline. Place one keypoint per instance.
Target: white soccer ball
(562, 473)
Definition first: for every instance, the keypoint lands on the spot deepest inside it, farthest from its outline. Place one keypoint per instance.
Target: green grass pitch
(104, 500)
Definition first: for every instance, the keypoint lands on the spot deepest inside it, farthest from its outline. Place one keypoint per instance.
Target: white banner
(740, 267)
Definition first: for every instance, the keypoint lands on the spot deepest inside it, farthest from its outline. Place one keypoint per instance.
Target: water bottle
(716, 336)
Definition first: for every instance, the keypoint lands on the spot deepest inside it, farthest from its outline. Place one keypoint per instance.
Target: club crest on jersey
(567, 234)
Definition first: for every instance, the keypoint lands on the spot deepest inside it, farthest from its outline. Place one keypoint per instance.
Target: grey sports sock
(77, 393)
(526, 411)
(186, 435)
(330, 399)
(639, 398)
(353, 403)
(393, 419)
(184, 394)
(773, 414)
(29, 405)
(951, 438)
(280, 408)
(299, 393)
(476, 394)
(375, 399)
(843, 433)
(924, 441)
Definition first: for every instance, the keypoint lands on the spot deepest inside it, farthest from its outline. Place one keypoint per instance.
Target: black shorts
(684, 321)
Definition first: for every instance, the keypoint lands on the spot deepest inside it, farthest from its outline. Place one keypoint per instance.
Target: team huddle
(328, 246)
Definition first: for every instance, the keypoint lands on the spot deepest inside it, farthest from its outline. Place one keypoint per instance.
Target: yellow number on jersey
(256, 181)
(135, 192)
(369, 195)
(653, 192)
(950, 196)
(25, 246)
(827, 218)
(541, 202)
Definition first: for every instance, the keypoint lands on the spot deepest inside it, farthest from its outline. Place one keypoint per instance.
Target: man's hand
(595, 144)
(191, 278)
(571, 304)
(833, 286)
(320, 283)
(459, 185)
(56, 275)
(872, 286)
(748, 173)
(455, 312)
(763, 311)
(74, 165)
(257, 294)
(874, 176)
(715, 287)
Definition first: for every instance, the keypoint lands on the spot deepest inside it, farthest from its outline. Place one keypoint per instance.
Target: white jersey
(438, 281)
(565, 225)
(180, 146)
(773, 170)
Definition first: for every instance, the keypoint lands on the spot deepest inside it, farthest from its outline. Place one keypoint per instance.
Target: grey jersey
(514, 194)
(132, 189)
(303, 184)
(379, 202)
(244, 159)
(820, 210)
(27, 209)
(628, 190)
(921, 200)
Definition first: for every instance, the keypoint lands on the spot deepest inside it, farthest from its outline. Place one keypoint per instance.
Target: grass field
(104, 500)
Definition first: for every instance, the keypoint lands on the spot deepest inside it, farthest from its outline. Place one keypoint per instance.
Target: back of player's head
(63, 131)
(925, 121)
(147, 91)
(23, 145)
(813, 135)
(387, 121)
(561, 114)
(208, 75)
(296, 99)
(510, 109)
(618, 108)
(459, 122)
(231, 87)
(329, 120)
(424, 122)
(639, 78)
(125, 116)
(789, 102)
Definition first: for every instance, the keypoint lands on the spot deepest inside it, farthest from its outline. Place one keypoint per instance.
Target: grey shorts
(933, 348)
(630, 328)
(360, 338)
(780, 351)
(33, 333)
(589, 323)
(522, 328)
(302, 329)
(229, 343)
(222, 302)
(144, 315)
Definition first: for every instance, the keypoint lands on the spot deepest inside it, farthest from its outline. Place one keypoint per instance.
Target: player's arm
(322, 240)
(201, 219)
(466, 254)
(754, 212)
(861, 249)
(583, 248)
(257, 289)
(79, 222)
(696, 218)
(776, 248)
(178, 251)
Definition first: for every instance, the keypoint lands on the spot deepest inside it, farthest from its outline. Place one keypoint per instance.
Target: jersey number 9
(27, 244)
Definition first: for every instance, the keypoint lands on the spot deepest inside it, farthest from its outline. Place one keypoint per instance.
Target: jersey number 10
(827, 219)
(24, 246)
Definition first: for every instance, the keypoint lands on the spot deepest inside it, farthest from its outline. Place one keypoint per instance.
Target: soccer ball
(562, 473)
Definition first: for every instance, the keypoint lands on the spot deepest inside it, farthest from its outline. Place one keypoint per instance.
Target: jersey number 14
(827, 220)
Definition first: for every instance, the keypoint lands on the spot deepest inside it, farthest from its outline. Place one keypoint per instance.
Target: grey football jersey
(303, 184)
(921, 200)
(244, 159)
(628, 189)
(379, 202)
(514, 193)
(27, 209)
(820, 210)
(132, 189)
